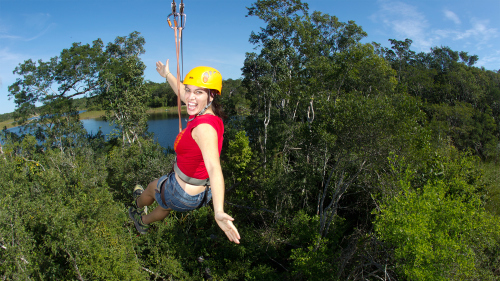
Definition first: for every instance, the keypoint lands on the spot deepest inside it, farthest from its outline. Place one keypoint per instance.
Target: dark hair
(216, 106)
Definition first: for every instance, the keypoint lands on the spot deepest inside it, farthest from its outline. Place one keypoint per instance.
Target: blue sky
(217, 31)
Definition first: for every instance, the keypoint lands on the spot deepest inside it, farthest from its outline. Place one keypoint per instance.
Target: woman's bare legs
(157, 214)
(147, 198)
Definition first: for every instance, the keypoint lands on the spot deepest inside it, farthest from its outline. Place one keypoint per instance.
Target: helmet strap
(204, 109)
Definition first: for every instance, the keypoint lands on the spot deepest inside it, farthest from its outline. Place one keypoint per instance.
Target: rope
(178, 74)
(178, 27)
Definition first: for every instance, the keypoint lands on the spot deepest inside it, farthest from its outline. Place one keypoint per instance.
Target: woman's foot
(136, 217)
(138, 190)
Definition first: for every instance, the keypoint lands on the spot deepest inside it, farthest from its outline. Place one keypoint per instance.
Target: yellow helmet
(205, 77)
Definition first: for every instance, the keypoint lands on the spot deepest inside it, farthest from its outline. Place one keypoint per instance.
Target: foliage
(145, 163)
(59, 220)
(122, 89)
(6, 116)
(439, 232)
(238, 156)
(342, 161)
(461, 100)
(113, 74)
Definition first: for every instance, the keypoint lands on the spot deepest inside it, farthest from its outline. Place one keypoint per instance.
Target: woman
(197, 172)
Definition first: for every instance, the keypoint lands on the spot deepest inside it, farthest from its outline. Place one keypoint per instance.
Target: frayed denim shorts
(176, 198)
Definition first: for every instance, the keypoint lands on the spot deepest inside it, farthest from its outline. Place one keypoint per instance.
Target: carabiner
(179, 19)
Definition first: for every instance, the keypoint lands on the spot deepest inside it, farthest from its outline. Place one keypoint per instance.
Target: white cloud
(8, 61)
(479, 34)
(406, 22)
(7, 56)
(452, 16)
(26, 38)
(490, 61)
(36, 21)
(28, 28)
(479, 30)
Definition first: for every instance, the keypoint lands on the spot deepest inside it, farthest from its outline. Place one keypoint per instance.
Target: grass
(101, 113)
(7, 124)
(169, 110)
(92, 114)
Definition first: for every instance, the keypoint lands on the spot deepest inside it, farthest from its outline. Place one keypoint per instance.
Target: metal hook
(179, 19)
(173, 6)
(181, 7)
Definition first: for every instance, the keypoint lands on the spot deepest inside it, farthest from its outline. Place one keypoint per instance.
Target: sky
(217, 32)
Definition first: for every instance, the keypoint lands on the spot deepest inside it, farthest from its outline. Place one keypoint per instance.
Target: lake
(165, 127)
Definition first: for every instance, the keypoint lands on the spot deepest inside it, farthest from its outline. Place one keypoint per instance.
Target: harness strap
(162, 192)
(189, 179)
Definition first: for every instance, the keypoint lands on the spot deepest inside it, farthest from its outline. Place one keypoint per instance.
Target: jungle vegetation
(342, 160)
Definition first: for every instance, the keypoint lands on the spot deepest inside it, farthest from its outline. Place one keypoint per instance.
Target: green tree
(53, 84)
(115, 74)
(123, 92)
(325, 117)
(59, 220)
(440, 231)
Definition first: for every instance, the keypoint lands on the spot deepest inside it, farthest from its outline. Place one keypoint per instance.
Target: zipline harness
(179, 23)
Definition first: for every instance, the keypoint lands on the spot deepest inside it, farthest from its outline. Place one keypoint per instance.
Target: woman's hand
(163, 69)
(225, 222)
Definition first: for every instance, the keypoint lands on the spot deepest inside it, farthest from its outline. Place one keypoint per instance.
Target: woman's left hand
(162, 69)
(225, 222)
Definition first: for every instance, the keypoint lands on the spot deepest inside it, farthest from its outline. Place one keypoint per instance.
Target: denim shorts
(176, 198)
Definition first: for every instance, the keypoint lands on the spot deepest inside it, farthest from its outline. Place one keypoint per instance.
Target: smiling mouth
(191, 106)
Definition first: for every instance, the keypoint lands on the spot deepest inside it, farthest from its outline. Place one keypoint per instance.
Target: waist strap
(189, 179)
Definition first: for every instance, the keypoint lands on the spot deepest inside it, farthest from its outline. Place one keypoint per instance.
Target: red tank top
(189, 157)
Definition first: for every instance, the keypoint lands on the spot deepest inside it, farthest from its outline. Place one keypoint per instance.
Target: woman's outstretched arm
(206, 138)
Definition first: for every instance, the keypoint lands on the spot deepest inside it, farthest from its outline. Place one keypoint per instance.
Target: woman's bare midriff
(189, 188)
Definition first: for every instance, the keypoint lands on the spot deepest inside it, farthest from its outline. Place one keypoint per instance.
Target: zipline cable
(178, 26)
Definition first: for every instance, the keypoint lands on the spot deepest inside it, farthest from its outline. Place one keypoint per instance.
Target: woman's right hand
(162, 69)
(225, 222)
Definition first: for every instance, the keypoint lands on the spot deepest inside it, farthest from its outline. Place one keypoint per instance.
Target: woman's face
(196, 99)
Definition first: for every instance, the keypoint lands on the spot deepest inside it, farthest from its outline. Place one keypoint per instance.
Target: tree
(329, 116)
(63, 223)
(123, 92)
(440, 231)
(114, 74)
(75, 72)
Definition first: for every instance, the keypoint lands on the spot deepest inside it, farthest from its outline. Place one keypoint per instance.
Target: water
(165, 127)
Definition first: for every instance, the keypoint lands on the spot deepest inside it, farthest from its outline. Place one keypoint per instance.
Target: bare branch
(75, 266)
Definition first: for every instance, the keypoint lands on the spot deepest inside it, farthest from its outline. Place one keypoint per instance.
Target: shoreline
(101, 113)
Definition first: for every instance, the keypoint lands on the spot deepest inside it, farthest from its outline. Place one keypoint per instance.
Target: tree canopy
(342, 160)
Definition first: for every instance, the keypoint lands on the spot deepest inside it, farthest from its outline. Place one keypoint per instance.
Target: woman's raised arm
(164, 71)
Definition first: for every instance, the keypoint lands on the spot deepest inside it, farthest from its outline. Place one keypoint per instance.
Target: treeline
(160, 95)
(461, 101)
(342, 161)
